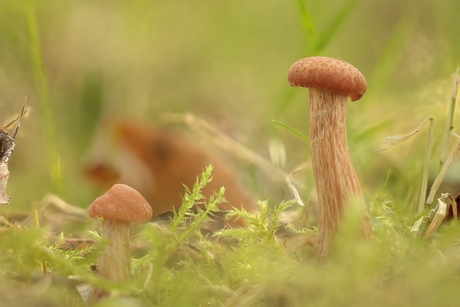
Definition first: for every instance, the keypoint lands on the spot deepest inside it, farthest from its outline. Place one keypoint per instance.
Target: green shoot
(297, 132)
(307, 20)
(394, 50)
(41, 83)
(319, 42)
(334, 26)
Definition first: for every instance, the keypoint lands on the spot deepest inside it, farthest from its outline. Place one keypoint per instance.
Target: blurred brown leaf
(158, 163)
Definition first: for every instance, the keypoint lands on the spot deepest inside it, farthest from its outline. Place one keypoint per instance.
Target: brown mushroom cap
(329, 74)
(121, 202)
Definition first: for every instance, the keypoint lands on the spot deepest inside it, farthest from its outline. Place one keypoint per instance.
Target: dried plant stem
(17, 119)
(437, 217)
(450, 119)
(437, 182)
(292, 187)
(227, 143)
(426, 166)
(397, 139)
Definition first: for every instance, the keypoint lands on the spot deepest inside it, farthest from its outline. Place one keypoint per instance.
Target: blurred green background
(226, 62)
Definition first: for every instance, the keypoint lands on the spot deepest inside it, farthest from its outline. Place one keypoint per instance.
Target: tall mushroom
(330, 82)
(118, 207)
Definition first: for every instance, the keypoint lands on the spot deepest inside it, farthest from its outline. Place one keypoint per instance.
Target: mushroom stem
(336, 181)
(114, 263)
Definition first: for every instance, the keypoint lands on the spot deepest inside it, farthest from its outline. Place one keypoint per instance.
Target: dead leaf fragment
(4, 174)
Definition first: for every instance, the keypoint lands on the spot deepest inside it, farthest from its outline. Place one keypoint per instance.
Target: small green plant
(185, 264)
(199, 267)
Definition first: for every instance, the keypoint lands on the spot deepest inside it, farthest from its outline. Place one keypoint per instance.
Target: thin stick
(437, 182)
(18, 122)
(426, 166)
(450, 119)
(17, 119)
(453, 203)
(227, 143)
(292, 187)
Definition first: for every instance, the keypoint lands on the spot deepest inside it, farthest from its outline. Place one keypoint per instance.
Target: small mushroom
(118, 207)
(330, 82)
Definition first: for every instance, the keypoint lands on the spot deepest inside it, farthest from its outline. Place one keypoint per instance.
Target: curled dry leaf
(445, 211)
(391, 141)
(6, 149)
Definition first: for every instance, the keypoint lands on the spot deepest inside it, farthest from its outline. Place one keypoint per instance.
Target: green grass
(227, 62)
(245, 267)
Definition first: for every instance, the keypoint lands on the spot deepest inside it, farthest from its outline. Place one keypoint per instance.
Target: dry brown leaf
(6, 149)
(4, 174)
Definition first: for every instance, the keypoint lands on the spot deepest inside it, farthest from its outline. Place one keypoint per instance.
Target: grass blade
(334, 26)
(393, 50)
(303, 136)
(43, 96)
(307, 20)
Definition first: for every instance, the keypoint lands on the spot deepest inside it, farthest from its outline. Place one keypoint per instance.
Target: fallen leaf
(4, 174)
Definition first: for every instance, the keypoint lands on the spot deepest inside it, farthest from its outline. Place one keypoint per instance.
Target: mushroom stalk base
(336, 181)
(114, 263)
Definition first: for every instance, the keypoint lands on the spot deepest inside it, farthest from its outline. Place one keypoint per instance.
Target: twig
(19, 118)
(437, 182)
(292, 187)
(54, 201)
(426, 166)
(227, 143)
(450, 119)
